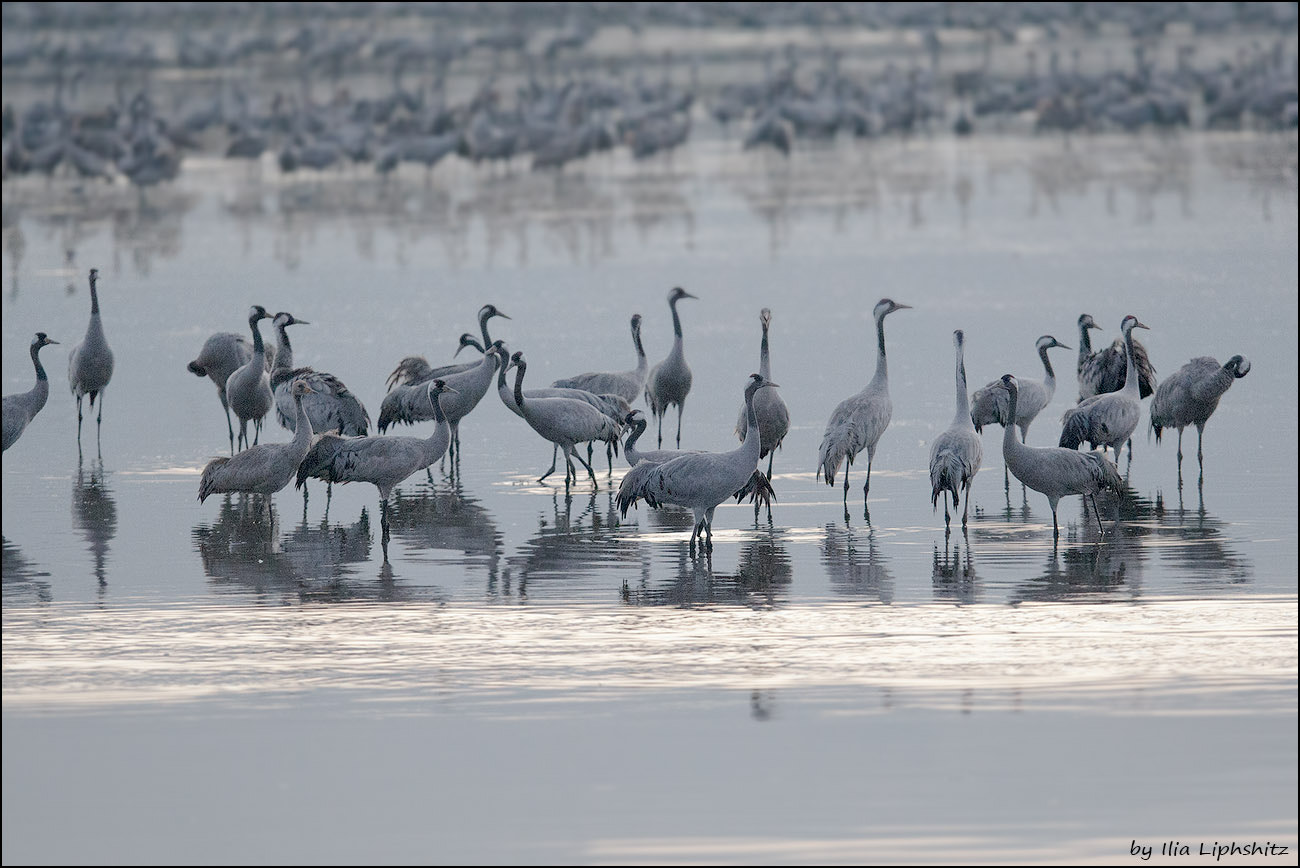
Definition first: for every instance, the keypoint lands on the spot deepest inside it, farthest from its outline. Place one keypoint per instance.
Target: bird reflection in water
(855, 565)
(1090, 568)
(954, 576)
(1197, 544)
(309, 562)
(442, 517)
(573, 553)
(764, 571)
(94, 514)
(22, 580)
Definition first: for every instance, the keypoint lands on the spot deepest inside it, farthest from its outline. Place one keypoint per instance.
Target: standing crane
(563, 421)
(858, 421)
(382, 461)
(1056, 471)
(21, 409)
(1109, 419)
(223, 353)
(628, 385)
(263, 469)
(415, 370)
(703, 480)
(1104, 371)
(990, 403)
(956, 454)
(773, 416)
(90, 364)
(331, 407)
(248, 389)
(1188, 396)
(670, 381)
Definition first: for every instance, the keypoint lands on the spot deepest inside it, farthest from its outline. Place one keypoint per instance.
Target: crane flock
(332, 442)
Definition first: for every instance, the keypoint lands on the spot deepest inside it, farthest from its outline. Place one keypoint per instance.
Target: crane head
(43, 340)
(1238, 366)
(887, 306)
(1046, 342)
(1131, 322)
(1087, 322)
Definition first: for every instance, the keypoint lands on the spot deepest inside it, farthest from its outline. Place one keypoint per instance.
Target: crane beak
(503, 316)
(898, 306)
(301, 322)
(1139, 325)
(1063, 346)
(686, 294)
(48, 341)
(447, 389)
(773, 385)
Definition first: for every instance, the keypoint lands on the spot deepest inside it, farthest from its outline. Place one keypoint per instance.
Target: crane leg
(229, 427)
(1096, 512)
(78, 423)
(680, 407)
(966, 513)
(99, 417)
(555, 457)
(590, 472)
(1200, 456)
(257, 431)
(661, 429)
(590, 449)
(866, 488)
(947, 519)
(770, 456)
(1056, 529)
(383, 522)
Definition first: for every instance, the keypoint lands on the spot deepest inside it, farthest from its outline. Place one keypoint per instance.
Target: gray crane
(1109, 419)
(563, 421)
(612, 406)
(21, 409)
(1103, 371)
(222, 354)
(858, 421)
(628, 385)
(248, 389)
(956, 454)
(90, 364)
(669, 381)
(1055, 471)
(989, 404)
(382, 461)
(263, 469)
(415, 370)
(769, 407)
(703, 480)
(332, 407)
(467, 389)
(1188, 396)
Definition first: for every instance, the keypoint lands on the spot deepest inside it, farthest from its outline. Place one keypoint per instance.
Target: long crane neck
(963, 400)
(519, 385)
(36, 362)
(259, 349)
(764, 358)
(1130, 366)
(482, 325)
(1085, 347)
(752, 442)
(638, 428)
(641, 363)
(1050, 379)
(302, 431)
(1009, 442)
(283, 351)
(882, 366)
(677, 328)
(40, 393)
(441, 432)
(94, 295)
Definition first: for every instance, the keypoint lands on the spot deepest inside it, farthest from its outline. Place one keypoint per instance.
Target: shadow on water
(954, 577)
(94, 514)
(855, 565)
(763, 574)
(576, 542)
(442, 517)
(310, 562)
(22, 580)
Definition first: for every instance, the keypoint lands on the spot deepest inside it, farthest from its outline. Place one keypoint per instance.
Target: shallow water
(531, 677)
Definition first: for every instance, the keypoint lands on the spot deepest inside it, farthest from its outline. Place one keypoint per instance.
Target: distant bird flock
(250, 85)
(332, 440)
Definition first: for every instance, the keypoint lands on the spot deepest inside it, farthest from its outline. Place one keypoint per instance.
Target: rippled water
(529, 676)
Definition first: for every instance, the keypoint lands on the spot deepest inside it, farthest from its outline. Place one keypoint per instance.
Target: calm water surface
(529, 677)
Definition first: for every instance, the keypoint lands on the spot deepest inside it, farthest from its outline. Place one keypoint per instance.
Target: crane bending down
(416, 370)
(612, 406)
(1189, 396)
(563, 421)
(956, 454)
(858, 421)
(1056, 471)
(224, 353)
(382, 461)
(1109, 419)
(703, 480)
(21, 409)
(263, 469)
(628, 385)
(769, 408)
(669, 381)
(331, 407)
(90, 364)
